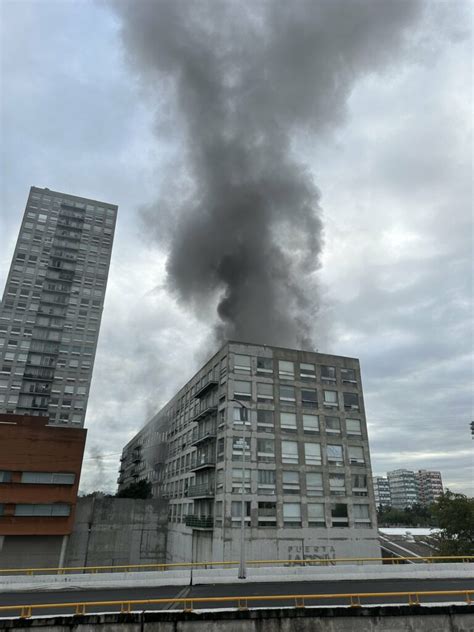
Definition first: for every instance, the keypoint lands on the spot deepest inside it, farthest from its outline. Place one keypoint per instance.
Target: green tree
(455, 514)
(142, 489)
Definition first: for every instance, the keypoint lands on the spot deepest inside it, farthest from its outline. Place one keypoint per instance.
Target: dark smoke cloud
(240, 82)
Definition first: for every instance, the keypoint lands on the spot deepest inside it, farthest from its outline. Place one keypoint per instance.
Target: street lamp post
(242, 565)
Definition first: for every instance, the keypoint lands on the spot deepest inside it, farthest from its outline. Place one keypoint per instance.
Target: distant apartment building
(285, 427)
(52, 306)
(50, 317)
(382, 493)
(403, 488)
(430, 486)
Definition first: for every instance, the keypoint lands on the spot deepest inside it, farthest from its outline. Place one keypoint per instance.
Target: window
(48, 478)
(286, 370)
(265, 421)
(309, 398)
(242, 390)
(356, 455)
(310, 423)
(330, 399)
(337, 484)
(287, 394)
(58, 509)
(339, 515)
(220, 480)
(264, 366)
(237, 481)
(307, 371)
(353, 427)
(348, 375)
(289, 452)
(288, 422)
(312, 453)
(291, 482)
(1, 509)
(316, 515)
(314, 484)
(359, 484)
(335, 455)
(333, 425)
(291, 514)
(266, 450)
(264, 392)
(5, 477)
(267, 516)
(220, 449)
(351, 401)
(361, 515)
(328, 374)
(241, 416)
(236, 512)
(241, 363)
(266, 482)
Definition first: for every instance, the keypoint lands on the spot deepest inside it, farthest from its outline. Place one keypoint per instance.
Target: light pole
(242, 566)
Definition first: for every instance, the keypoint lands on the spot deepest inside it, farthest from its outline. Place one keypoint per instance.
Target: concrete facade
(457, 618)
(382, 495)
(52, 306)
(286, 426)
(403, 488)
(430, 486)
(114, 531)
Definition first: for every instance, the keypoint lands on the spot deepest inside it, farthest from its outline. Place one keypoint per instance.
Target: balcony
(201, 490)
(205, 412)
(205, 388)
(199, 522)
(203, 461)
(203, 435)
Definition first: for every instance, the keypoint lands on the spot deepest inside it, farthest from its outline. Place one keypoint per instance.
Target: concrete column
(62, 555)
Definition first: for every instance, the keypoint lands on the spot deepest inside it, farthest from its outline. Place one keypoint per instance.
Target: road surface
(235, 590)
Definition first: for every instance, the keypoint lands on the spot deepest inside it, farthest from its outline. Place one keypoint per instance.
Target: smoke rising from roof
(242, 81)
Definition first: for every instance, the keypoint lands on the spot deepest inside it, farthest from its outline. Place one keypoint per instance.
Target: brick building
(40, 467)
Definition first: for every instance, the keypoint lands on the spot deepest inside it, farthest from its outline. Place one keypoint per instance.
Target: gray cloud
(393, 169)
(244, 78)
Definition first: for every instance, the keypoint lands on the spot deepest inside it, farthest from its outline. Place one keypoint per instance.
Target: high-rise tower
(52, 306)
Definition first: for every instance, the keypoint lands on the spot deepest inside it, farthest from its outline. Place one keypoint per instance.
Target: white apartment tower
(285, 427)
(52, 306)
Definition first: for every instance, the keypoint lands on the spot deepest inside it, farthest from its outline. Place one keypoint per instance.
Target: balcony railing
(203, 461)
(204, 412)
(199, 522)
(200, 435)
(201, 490)
(205, 388)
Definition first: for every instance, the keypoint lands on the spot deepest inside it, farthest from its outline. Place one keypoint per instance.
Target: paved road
(237, 589)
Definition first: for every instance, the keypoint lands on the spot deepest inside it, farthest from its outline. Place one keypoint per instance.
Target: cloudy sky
(86, 108)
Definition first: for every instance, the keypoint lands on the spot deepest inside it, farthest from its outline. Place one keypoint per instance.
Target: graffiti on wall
(312, 552)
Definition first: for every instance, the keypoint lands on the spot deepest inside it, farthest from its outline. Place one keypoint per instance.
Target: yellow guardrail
(300, 601)
(176, 565)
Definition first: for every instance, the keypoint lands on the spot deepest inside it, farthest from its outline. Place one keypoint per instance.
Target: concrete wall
(185, 545)
(375, 619)
(111, 531)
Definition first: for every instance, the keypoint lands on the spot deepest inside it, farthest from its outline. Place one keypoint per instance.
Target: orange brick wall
(28, 444)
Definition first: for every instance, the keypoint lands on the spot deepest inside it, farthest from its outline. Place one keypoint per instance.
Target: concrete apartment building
(52, 306)
(403, 488)
(49, 325)
(285, 426)
(430, 486)
(382, 495)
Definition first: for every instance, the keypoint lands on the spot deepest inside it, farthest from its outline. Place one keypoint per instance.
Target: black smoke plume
(243, 83)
